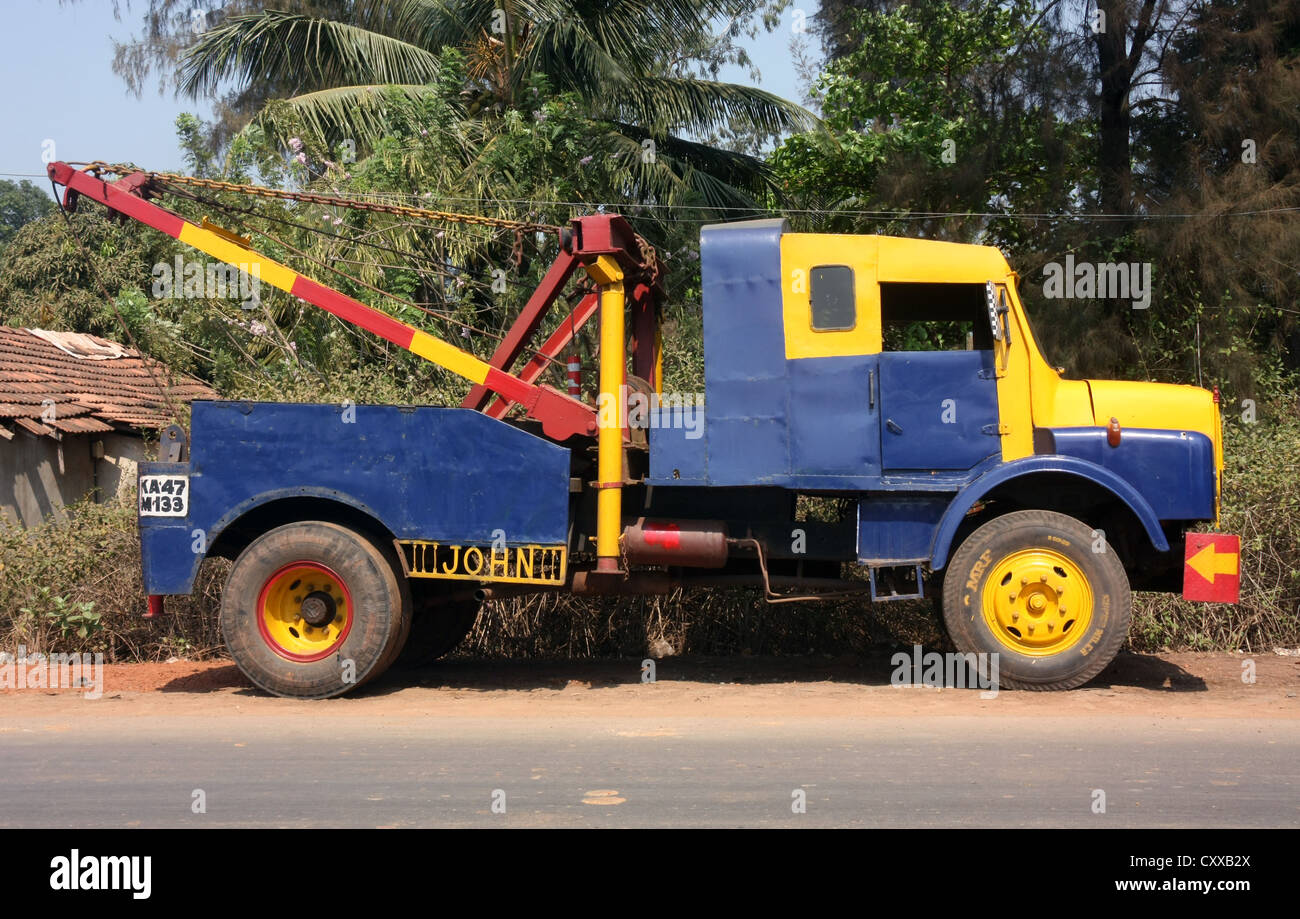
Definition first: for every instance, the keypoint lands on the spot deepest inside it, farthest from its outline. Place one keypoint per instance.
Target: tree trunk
(1115, 170)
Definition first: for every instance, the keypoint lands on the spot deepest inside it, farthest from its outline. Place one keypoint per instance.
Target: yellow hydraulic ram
(612, 411)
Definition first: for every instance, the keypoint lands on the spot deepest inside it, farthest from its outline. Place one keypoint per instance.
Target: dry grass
(705, 621)
(95, 559)
(1261, 503)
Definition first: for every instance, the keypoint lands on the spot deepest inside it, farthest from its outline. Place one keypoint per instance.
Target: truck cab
(904, 375)
(883, 364)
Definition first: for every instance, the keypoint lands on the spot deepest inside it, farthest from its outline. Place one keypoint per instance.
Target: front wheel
(313, 610)
(1037, 589)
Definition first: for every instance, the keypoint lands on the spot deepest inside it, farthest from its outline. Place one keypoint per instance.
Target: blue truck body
(420, 472)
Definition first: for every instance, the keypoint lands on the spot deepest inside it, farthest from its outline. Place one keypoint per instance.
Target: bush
(76, 587)
(1261, 502)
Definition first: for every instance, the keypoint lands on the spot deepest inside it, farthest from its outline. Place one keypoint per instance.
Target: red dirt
(1185, 684)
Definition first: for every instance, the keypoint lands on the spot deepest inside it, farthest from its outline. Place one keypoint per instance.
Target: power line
(625, 206)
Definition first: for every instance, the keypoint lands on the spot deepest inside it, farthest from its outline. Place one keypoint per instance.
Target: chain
(258, 191)
(649, 257)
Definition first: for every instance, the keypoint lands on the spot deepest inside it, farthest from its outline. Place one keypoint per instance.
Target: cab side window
(934, 317)
(833, 298)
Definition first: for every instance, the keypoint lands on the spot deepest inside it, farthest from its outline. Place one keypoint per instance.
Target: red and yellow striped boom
(560, 415)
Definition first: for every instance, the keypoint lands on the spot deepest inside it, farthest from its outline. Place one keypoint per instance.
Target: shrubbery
(91, 565)
(1261, 502)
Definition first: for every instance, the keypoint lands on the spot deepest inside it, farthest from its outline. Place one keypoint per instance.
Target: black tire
(439, 623)
(398, 643)
(380, 610)
(993, 547)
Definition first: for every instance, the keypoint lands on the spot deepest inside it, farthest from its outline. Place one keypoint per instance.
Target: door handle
(871, 389)
(893, 426)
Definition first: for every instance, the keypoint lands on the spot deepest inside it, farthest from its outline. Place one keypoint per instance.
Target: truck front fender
(1031, 465)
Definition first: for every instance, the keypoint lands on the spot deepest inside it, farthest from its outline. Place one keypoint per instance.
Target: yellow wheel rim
(1037, 602)
(304, 612)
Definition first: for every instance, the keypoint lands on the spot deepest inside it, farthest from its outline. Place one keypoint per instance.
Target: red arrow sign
(1212, 567)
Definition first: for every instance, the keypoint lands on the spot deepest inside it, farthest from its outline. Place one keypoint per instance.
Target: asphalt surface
(287, 769)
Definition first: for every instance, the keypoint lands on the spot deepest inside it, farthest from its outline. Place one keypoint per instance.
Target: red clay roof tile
(91, 389)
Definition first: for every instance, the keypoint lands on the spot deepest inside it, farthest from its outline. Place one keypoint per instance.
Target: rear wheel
(1037, 589)
(313, 609)
(440, 622)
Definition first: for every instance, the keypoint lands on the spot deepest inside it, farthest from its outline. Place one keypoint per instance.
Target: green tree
(47, 280)
(631, 64)
(1224, 144)
(924, 116)
(20, 204)
(90, 274)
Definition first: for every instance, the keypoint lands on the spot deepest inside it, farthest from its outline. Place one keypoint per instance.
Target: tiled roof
(80, 384)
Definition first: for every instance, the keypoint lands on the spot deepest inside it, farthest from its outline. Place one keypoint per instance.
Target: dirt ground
(1176, 684)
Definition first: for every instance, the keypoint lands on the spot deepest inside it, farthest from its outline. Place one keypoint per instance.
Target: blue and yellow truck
(894, 381)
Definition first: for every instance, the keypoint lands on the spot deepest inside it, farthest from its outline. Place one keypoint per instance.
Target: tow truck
(1029, 505)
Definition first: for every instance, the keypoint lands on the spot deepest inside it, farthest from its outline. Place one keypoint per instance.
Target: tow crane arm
(591, 241)
(603, 245)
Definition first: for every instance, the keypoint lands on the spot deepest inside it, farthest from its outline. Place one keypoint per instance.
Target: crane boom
(561, 416)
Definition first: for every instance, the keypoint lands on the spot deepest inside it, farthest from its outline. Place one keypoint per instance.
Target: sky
(58, 63)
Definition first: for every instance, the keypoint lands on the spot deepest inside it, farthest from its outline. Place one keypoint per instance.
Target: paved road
(291, 769)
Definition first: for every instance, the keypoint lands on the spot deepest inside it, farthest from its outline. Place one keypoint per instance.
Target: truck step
(894, 578)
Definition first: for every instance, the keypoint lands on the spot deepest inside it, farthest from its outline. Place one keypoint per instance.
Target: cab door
(938, 380)
(831, 319)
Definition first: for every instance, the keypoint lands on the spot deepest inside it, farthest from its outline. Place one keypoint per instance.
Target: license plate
(164, 495)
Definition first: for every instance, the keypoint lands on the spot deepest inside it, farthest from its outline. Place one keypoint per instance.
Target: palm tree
(625, 59)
